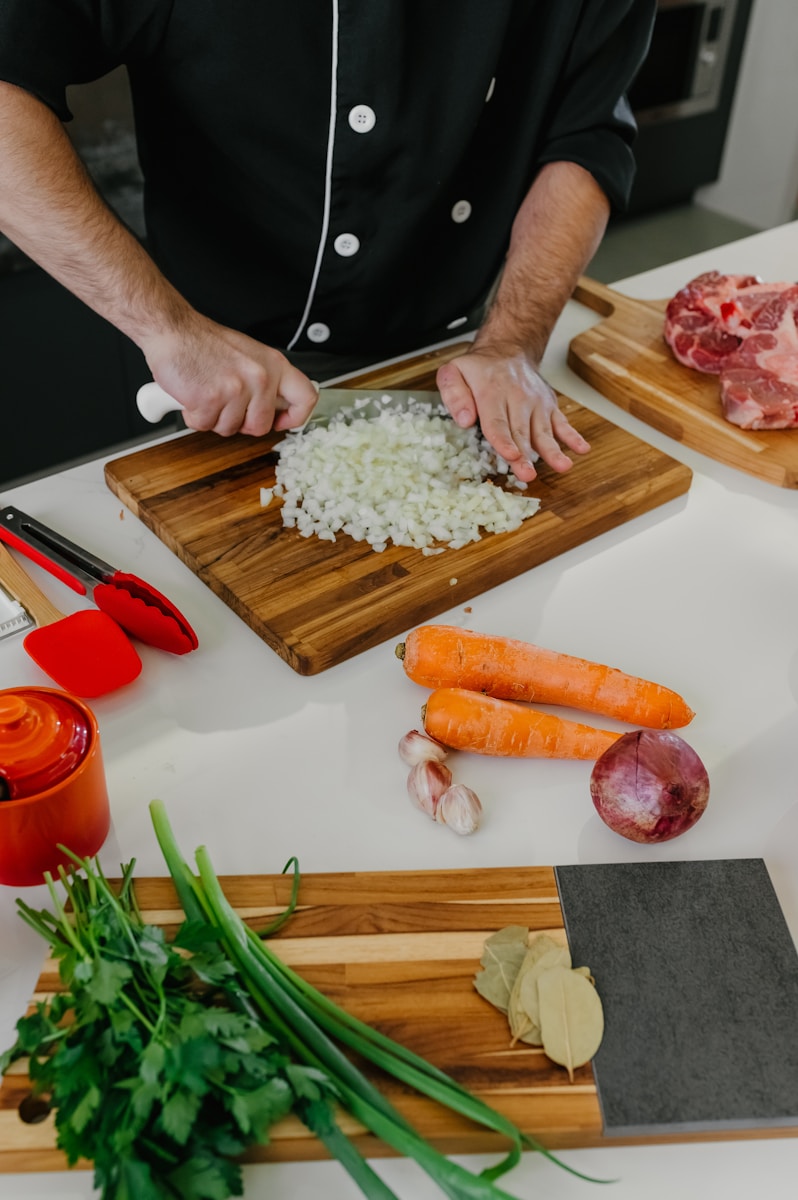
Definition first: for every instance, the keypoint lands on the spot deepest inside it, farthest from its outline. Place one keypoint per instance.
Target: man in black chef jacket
(346, 176)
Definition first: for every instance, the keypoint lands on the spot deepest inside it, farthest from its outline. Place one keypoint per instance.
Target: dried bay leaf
(571, 1017)
(523, 1028)
(541, 944)
(502, 956)
(523, 1011)
(510, 933)
(565, 1023)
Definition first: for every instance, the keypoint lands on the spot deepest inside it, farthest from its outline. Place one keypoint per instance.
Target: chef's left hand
(516, 408)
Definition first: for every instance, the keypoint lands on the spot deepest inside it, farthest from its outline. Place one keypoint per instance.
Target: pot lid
(44, 735)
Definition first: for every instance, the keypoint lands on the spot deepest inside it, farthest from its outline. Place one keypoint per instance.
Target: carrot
(446, 656)
(465, 720)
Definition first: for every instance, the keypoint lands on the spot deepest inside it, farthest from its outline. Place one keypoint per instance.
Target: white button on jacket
(362, 118)
(318, 332)
(346, 244)
(461, 211)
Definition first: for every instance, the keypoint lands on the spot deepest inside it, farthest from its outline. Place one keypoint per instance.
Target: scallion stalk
(309, 1021)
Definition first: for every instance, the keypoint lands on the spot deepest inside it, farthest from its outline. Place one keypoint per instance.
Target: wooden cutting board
(318, 603)
(626, 358)
(398, 950)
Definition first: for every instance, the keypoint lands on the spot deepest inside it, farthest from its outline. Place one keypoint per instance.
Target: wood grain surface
(318, 603)
(626, 358)
(399, 950)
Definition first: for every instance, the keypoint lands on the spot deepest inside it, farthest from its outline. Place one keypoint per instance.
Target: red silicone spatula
(86, 653)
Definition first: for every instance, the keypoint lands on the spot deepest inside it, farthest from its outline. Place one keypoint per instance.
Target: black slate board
(698, 975)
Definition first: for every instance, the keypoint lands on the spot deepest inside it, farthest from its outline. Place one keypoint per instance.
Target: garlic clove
(459, 808)
(425, 783)
(416, 747)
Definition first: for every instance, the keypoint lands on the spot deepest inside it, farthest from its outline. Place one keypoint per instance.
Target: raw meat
(708, 319)
(746, 332)
(759, 381)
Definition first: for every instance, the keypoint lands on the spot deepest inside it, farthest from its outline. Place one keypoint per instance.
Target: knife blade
(368, 403)
(154, 403)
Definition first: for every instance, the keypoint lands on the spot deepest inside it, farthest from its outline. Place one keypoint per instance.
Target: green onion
(309, 1022)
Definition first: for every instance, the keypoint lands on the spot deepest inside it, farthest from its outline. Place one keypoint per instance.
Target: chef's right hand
(228, 382)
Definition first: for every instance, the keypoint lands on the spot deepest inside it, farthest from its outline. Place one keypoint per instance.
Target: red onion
(649, 786)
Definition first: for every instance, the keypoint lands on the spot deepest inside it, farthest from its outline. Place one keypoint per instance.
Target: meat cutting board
(399, 950)
(626, 358)
(317, 603)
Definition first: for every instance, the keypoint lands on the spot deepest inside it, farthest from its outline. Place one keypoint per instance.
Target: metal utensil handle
(69, 562)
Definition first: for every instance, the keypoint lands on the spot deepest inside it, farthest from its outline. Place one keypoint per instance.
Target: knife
(154, 403)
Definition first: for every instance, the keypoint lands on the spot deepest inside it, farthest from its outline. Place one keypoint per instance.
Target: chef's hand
(228, 382)
(516, 408)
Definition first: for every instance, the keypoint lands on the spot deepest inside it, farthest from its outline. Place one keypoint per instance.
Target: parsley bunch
(163, 1061)
(156, 1069)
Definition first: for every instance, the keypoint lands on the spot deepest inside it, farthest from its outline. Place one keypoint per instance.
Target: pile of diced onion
(404, 477)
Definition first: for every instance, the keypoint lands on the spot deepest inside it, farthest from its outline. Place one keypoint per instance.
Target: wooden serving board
(319, 603)
(398, 950)
(626, 358)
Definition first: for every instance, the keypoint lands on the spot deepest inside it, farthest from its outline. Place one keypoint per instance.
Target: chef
(331, 182)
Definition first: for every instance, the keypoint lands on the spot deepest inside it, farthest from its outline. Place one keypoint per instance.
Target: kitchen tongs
(133, 604)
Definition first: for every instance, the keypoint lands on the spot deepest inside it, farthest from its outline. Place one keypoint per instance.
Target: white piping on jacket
(325, 223)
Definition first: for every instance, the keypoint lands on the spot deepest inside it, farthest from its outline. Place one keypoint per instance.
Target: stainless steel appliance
(682, 98)
(684, 70)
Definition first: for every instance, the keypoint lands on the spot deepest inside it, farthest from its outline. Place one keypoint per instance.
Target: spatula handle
(23, 589)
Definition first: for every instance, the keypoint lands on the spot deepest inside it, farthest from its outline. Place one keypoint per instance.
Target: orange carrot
(483, 724)
(445, 656)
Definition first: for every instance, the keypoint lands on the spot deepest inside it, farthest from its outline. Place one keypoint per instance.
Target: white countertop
(259, 763)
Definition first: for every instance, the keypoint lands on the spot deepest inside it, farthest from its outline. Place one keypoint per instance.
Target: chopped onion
(404, 477)
(649, 786)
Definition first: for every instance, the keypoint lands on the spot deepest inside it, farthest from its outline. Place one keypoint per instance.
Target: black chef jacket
(343, 174)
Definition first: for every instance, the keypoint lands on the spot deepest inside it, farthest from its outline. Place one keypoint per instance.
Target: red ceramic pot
(52, 783)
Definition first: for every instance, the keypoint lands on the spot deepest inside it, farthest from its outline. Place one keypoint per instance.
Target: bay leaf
(571, 1017)
(541, 943)
(523, 1010)
(502, 955)
(509, 933)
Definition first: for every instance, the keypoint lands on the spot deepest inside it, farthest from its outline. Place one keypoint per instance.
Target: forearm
(497, 381)
(555, 234)
(51, 210)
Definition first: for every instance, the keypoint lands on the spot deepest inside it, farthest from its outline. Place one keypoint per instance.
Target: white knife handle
(154, 403)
